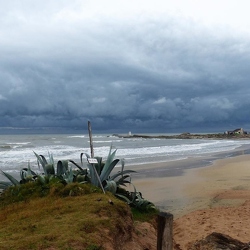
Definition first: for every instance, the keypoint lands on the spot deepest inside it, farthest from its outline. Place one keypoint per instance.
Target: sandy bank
(194, 188)
(203, 200)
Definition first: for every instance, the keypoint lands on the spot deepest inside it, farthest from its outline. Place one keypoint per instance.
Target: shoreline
(218, 200)
(178, 167)
(181, 190)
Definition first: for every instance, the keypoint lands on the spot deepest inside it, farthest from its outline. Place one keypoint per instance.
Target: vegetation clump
(60, 180)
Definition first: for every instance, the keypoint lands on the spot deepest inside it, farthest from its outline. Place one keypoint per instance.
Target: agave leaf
(111, 156)
(69, 177)
(111, 186)
(98, 166)
(142, 203)
(80, 172)
(60, 169)
(11, 178)
(81, 178)
(81, 157)
(123, 181)
(66, 164)
(25, 172)
(41, 161)
(51, 159)
(5, 184)
(121, 173)
(108, 169)
(93, 177)
(50, 170)
(123, 197)
(76, 165)
(138, 199)
(133, 193)
(41, 179)
(30, 171)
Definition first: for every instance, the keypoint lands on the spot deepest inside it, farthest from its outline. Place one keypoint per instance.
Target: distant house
(238, 131)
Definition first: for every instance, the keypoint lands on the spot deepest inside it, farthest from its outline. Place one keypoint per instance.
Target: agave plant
(48, 166)
(62, 171)
(100, 173)
(135, 199)
(12, 181)
(26, 175)
(140, 203)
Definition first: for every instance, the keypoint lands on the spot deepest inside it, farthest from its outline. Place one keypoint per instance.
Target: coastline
(219, 201)
(232, 135)
(181, 190)
(203, 200)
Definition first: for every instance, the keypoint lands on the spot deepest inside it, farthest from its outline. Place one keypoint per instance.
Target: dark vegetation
(57, 178)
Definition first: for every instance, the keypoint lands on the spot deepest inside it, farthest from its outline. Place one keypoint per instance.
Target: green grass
(75, 216)
(148, 216)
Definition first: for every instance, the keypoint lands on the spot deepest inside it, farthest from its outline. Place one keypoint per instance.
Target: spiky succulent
(98, 174)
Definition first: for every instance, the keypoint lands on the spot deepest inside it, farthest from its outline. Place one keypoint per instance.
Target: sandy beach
(214, 198)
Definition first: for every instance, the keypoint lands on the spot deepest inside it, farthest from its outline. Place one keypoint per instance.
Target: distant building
(238, 131)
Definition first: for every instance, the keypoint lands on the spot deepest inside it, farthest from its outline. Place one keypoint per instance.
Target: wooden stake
(92, 156)
(165, 231)
(91, 140)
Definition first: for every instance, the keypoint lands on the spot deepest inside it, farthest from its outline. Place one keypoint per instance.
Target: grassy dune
(74, 217)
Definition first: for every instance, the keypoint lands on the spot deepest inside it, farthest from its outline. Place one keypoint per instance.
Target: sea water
(17, 151)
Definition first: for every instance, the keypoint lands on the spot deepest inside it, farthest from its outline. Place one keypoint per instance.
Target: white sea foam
(76, 136)
(108, 141)
(18, 143)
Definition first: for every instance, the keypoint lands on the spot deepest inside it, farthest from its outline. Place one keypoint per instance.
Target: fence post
(90, 140)
(165, 231)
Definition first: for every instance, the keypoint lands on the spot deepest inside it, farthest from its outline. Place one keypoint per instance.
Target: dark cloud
(150, 74)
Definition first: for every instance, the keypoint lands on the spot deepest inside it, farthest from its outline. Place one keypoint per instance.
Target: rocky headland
(188, 136)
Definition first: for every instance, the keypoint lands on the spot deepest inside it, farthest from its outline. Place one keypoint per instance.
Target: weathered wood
(92, 156)
(90, 140)
(165, 231)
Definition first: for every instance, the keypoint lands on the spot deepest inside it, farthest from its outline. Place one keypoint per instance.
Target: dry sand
(203, 200)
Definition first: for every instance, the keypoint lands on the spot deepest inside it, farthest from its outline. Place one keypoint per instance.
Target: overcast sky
(150, 66)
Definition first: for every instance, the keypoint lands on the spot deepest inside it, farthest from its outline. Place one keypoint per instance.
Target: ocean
(17, 151)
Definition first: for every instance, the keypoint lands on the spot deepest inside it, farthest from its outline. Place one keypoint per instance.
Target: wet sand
(179, 190)
(214, 198)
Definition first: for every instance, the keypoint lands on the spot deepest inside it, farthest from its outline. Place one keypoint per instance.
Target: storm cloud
(60, 66)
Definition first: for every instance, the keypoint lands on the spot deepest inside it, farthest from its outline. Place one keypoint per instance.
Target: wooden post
(165, 231)
(92, 156)
(90, 140)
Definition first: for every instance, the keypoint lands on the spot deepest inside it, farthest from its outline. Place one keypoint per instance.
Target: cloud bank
(62, 65)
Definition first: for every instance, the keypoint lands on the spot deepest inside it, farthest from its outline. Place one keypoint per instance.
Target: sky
(140, 66)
